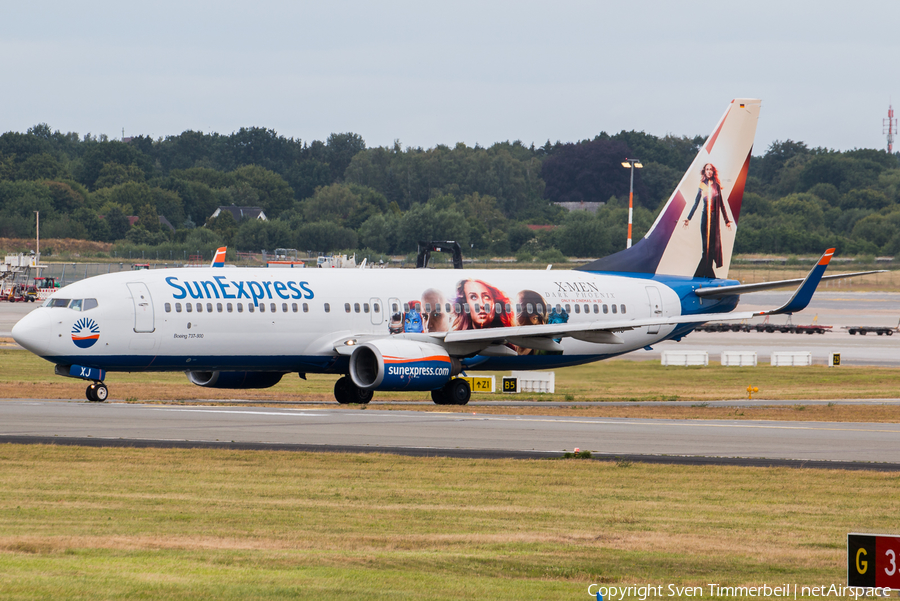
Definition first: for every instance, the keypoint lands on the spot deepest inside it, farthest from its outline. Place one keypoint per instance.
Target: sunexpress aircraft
(417, 329)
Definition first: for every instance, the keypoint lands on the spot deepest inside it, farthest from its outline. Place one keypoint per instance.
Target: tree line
(339, 194)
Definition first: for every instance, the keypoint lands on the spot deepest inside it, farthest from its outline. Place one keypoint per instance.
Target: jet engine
(388, 364)
(234, 379)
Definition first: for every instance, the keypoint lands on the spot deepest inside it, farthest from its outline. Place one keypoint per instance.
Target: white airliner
(418, 329)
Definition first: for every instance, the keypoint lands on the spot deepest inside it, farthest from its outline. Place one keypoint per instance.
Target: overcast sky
(439, 73)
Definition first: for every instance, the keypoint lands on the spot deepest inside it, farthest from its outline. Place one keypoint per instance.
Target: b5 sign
(873, 560)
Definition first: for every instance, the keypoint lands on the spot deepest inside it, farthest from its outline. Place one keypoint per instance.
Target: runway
(851, 445)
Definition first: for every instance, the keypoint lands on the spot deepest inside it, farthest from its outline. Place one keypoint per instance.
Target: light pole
(37, 232)
(631, 164)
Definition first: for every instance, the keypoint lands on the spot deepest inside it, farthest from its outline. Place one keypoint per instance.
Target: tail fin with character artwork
(694, 234)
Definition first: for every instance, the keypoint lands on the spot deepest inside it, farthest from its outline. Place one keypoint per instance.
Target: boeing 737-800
(417, 329)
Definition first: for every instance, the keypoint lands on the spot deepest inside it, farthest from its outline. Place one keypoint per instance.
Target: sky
(428, 73)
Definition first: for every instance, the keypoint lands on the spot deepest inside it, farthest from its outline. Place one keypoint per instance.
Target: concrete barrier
(534, 381)
(791, 358)
(739, 358)
(685, 358)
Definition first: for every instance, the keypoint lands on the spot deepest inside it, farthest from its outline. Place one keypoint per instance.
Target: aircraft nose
(33, 332)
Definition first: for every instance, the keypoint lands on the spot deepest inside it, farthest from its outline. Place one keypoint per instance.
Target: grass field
(108, 523)
(88, 523)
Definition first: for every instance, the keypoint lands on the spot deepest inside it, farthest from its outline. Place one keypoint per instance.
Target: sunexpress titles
(221, 287)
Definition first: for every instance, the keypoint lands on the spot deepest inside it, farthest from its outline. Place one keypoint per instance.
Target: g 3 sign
(873, 560)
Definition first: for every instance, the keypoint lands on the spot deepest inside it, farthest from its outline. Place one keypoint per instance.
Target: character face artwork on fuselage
(85, 332)
(474, 305)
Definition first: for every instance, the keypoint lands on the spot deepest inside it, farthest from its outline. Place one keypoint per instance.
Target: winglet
(804, 293)
(219, 258)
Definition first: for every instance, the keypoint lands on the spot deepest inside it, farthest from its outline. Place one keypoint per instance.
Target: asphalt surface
(840, 445)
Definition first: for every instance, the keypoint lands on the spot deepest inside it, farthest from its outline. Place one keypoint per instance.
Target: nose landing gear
(97, 392)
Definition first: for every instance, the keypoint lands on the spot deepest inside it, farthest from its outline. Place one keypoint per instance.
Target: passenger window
(262, 308)
(578, 308)
(178, 307)
(240, 307)
(614, 308)
(529, 308)
(306, 307)
(168, 308)
(251, 308)
(273, 308)
(428, 307)
(209, 307)
(219, 307)
(596, 308)
(476, 307)
(447, 307)
(346, 307)
(622, 307)
(199, 307)
(229, 307)
(327, 307)
(284, 308)
(75, 305)
(587, 308)
(605, 309)
(406, 307)
(376, 308)
(356, 307)
(365, 307)
(540, 309)
(568, 308)
(188, 307)
(294, 307)
(394, 308)
(508, 308)
(456, 307)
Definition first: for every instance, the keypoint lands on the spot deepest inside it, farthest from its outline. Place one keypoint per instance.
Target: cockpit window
(77, 304)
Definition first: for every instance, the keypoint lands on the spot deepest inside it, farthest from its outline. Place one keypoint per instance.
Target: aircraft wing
(493, 341)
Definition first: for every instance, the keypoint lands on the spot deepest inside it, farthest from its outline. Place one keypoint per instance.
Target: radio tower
(890, 128)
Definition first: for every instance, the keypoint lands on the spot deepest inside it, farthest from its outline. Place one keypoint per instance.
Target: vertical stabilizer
(694, 234)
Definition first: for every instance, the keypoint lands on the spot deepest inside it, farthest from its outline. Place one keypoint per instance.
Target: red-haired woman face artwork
(710, 173)
(480, 301)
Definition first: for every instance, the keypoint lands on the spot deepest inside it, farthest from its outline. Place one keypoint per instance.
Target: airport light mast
(631, 164)
(890, 128)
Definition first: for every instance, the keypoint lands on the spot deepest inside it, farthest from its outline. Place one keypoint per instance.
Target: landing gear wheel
(454, 392)
(97, 392)
(346, 392)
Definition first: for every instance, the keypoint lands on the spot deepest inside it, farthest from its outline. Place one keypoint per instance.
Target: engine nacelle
(401, 365)
(234, 379)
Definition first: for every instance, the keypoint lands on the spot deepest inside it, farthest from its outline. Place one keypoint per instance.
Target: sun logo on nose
(85, 332)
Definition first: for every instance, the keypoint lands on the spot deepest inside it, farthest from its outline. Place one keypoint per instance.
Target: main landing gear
(455, 392)
(97, 392)
(346, 392)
